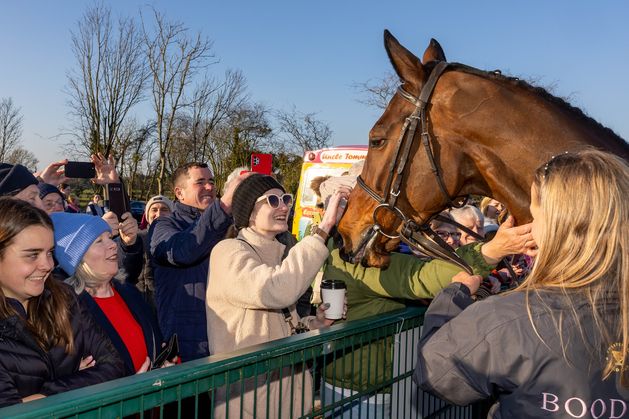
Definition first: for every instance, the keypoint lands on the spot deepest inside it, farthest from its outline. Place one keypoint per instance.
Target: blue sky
(309, 54)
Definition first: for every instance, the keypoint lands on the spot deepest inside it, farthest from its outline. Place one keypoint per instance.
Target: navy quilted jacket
(180, 248)
(25, 369)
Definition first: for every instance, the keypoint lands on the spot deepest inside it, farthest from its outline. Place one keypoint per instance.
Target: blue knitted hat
(74, 234)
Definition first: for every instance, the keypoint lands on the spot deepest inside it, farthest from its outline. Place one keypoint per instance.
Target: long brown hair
(48, 317)
(584, 241)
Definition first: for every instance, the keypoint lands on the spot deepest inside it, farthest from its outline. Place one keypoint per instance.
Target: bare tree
(299, 132)
(213, 104)
(228, 145)
(134, 147)
(10, 128)
(22, 156)
(377, 93)
(174, 58)
(289, 167)
(109, 78)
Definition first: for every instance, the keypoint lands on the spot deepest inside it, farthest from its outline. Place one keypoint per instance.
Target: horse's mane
(540, 91)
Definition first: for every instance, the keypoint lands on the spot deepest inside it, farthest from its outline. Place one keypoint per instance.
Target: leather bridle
(417, 235)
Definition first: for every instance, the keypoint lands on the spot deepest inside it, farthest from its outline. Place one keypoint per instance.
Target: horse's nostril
(338, 239)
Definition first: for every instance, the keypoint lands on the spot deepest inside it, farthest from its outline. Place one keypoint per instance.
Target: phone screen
(118, 200)
(80, 170)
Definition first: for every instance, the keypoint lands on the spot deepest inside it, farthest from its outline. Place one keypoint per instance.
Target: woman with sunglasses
(254, 280)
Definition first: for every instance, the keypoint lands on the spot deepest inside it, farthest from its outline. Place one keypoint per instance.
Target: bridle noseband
(417, 235)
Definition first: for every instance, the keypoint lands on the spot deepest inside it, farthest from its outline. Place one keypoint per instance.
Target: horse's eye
(377, 142)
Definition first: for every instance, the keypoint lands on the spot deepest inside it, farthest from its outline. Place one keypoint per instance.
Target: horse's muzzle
(365, 245)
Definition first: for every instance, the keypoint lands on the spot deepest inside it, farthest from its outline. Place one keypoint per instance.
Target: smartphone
(169, 351)
(80, 169)
(118, 200)
(262, 163)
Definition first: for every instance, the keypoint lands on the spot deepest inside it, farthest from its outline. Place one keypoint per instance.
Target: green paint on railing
(191, 388)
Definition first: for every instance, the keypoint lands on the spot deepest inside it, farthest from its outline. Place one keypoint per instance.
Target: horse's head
(386, 150)
(450, 131)
(401, 160)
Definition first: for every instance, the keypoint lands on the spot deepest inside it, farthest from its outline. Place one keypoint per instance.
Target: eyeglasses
(274, 200)
(445, 234)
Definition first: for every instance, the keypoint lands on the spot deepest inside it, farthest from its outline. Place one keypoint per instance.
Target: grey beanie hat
(246, 194)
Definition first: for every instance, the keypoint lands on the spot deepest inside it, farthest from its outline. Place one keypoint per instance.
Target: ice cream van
(333, 161)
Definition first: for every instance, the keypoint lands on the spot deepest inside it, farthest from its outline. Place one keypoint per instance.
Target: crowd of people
(87, 296)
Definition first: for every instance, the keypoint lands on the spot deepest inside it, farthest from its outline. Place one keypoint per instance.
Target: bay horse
(450, 131)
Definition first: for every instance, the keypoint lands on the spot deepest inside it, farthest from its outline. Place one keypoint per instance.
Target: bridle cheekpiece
(417, 235)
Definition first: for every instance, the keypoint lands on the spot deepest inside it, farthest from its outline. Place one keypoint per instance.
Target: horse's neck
(527, 135)
(506, 184)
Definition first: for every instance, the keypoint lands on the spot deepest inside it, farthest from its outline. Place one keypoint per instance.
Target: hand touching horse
(450, 131)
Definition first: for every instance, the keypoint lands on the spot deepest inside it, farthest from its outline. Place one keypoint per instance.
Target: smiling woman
(41, 325)
(256, 281)
(87, 253)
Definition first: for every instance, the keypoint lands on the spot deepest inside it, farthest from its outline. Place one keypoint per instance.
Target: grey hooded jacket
(489, 349)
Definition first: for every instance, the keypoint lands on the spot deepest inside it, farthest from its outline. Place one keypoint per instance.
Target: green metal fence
(358, 369)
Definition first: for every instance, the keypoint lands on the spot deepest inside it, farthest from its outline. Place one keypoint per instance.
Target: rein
(418, 236)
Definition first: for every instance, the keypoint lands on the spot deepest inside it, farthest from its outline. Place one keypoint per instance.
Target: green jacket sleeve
(407, 276)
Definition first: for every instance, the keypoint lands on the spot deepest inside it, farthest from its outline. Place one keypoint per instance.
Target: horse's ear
(406, 65)
(434, 52)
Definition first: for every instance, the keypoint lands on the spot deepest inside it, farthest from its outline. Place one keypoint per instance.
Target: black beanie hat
(14, 178)
(47, 189)
(246, 194)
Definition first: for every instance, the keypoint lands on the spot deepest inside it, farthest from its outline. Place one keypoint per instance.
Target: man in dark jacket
(180, 246)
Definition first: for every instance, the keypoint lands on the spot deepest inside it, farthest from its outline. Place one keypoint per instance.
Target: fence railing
(358, 369)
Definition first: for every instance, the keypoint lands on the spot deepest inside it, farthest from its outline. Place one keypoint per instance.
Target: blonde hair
(84, 277)
(583, 243)
(484, 203)
(232, 176)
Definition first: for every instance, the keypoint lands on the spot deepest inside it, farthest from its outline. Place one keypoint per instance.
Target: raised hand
(53, 173)
(335, 208)
(112, 219)
(128, 229)
(105, 169)
(228, 196)
(509, 240)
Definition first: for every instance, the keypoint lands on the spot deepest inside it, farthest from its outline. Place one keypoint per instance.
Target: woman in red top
(85, 251)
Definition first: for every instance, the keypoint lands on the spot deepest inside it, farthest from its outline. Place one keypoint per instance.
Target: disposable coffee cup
(333, 293)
